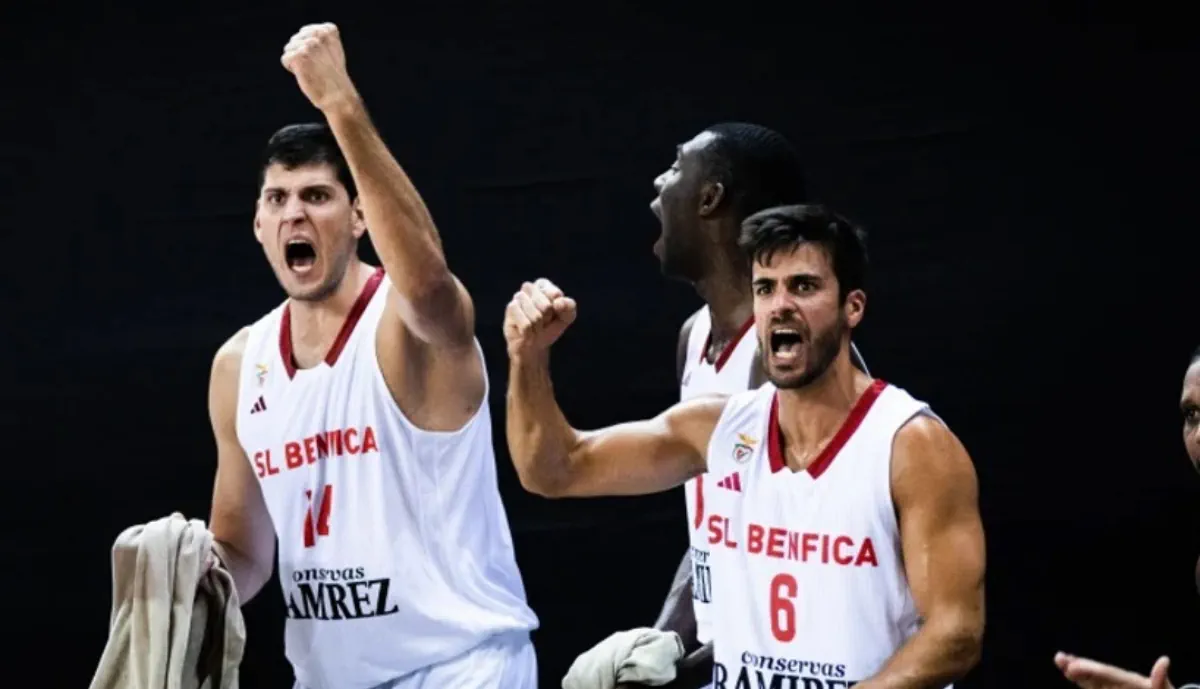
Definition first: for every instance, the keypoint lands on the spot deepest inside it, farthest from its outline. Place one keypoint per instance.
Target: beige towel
(640, 656)
(173, 625)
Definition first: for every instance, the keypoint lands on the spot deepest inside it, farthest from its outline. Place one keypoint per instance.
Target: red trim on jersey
(339, 343)
(728, 351)
(818, 466)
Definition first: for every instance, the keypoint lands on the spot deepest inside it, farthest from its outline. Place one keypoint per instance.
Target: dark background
(1026, 184)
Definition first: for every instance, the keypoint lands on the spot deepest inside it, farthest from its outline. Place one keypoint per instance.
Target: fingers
(1158, 674)
(539, 297)
(564, 309)
(1088, 673)
(548, 288)
(534, 314)
(307, 38)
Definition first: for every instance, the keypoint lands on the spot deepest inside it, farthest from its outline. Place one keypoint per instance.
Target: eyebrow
(323, 186)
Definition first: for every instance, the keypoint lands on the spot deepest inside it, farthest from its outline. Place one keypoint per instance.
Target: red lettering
(314, 448)
(322, 521)
(715, 529)
(719, 531)
(783, 544)
(310, 449)
(729, 542)
(368, 444)
(292, 456)
(783, 612)
(810, 545)
(838, 557)
(754, 539)
(866, 555)
(775, 540)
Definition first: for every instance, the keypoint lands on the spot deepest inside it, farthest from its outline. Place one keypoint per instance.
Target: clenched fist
(536, 317)
(315, 56)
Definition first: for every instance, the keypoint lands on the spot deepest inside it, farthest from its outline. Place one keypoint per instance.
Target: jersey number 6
(783, 611)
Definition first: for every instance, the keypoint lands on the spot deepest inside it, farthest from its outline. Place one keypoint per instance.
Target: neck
(725, 288)
(315, 324)
(809, 416)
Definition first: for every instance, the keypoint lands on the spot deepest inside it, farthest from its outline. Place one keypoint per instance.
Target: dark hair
(1195, 356)
(306, 144)
(758, 167)
(784, 227)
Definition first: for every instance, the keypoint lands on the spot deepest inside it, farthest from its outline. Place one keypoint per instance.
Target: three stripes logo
(260, 405)
(731, 482)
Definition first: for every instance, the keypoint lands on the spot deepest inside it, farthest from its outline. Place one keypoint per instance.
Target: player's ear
(855, 306)
(358, 220)
(711, 196)
(257, 222)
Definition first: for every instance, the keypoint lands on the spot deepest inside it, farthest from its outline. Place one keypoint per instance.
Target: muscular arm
(936, 495)
(555, 460)
(240, 523)
(430, 301)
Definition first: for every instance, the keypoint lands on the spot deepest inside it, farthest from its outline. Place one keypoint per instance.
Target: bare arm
(636, 458)
(426, 296)
(555, 460)
(240, 523)
(936, 495)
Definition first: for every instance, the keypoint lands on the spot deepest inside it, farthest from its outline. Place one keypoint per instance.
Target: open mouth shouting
(300, 255)
(786, 344)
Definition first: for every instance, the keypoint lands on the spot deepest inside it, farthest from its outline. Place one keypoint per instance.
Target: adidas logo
(260, 405)
(731, 482)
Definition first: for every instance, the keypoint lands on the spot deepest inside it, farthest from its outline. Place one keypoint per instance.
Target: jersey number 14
(320, 525)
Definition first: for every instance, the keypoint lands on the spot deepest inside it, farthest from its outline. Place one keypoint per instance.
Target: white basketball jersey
(729, 374)
(394, 548)
(810, 586)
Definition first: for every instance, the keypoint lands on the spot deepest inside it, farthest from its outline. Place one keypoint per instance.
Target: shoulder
(227, 362)
(927, 458)
(696, 419)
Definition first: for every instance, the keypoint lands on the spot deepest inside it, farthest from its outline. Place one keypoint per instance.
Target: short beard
(824, 348)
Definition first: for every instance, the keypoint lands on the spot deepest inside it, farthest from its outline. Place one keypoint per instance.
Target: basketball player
(352, 423)
(719, 177)
(1089, 674)
(843, 526)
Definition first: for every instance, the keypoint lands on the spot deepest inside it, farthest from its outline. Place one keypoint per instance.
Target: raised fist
(315, 56)
(536, 317)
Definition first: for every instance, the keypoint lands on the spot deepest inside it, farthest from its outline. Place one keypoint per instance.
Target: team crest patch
(743, 448)
(261, 371)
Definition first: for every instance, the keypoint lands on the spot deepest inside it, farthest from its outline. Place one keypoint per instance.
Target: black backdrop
(1023, 184)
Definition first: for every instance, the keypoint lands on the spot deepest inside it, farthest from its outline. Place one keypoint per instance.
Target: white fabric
(175, 623)
(704, 377)
(811, 584)
(644, 655)
(507, 661)
(394, 551)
